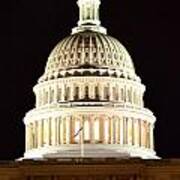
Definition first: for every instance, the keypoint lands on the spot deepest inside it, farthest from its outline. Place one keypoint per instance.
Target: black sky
(150, 30)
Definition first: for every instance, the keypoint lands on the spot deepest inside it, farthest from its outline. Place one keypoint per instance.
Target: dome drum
(99, 89)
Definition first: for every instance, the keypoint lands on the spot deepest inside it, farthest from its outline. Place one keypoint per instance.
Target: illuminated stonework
(89, 101)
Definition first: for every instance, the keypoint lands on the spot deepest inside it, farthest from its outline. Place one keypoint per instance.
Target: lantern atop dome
(89, 17)
(89, 12)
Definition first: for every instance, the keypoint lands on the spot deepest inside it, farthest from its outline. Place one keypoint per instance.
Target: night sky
(150, 30)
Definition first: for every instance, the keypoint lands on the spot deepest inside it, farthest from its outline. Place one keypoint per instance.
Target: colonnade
(63, 92)
(89, 129)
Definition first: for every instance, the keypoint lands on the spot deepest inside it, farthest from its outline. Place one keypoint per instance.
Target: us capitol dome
(89, 101)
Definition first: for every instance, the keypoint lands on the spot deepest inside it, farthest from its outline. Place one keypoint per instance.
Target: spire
(89, 16)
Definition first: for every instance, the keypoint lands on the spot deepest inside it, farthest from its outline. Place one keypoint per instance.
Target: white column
(152, 136)
(67, 130)
(106, 130)
(42, 131)
(133, 131)
(39, 133)
(81, 140)
(62, 131)
(92, 129)
(125, 129)
(101, 129)
(53, 131)
(81, 91)
(50, 130)
(72, 129)
(96, 129)
(121, 123)
(140, 133)
(31, 136)
(116, 130)
(72, 92)
(36, 134)
(130, 130)
(58, 130)
(27, 137)
(111, 129)
(46, 132)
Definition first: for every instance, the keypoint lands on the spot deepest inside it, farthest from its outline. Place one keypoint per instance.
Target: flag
(78, 132)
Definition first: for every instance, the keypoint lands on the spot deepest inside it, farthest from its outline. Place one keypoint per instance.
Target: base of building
(90, 151)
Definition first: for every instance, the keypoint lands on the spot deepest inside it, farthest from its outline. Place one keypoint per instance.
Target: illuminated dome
(90, 49)
(89, 101)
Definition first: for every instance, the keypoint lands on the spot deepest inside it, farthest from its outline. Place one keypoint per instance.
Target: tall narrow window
(59, 95)
(115, 94)
(106, 93)
(86, 92)
(76, 94)
(96, 93)
(67, 94)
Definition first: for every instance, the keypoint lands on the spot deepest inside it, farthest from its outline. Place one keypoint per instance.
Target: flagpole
(82, 144)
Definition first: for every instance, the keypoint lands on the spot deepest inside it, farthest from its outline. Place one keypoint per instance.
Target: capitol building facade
(89, 101)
